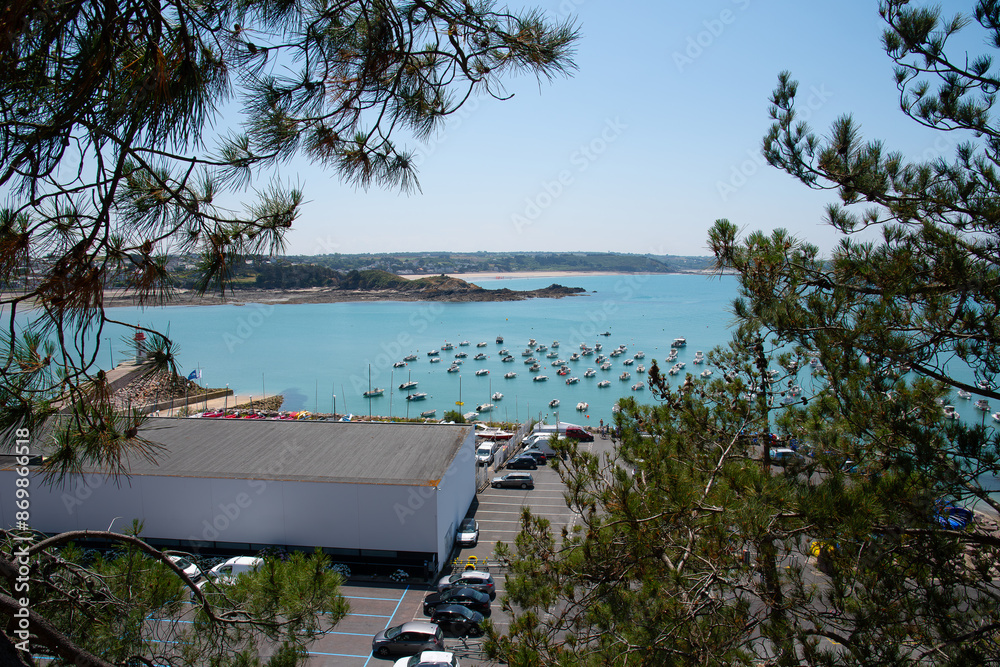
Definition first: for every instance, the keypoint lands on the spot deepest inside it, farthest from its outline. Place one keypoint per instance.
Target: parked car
(522, 462)
(190, 569)
(783, 456)
(536, 438)
(578, 433)
(951, 516)
(484, 454)
(480, 581)
(429, 659)
(539, 456)
(513, 480)
(226, 573)
(457, 620)
(467, 534)
(467, 597)
(408, 639)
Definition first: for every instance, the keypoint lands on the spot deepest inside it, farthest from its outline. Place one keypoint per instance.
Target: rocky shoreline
(457, 293)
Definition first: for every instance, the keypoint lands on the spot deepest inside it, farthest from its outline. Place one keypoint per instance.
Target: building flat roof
(303, 450)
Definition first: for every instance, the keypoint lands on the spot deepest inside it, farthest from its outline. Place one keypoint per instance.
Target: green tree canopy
(126, 131)
(690, 545)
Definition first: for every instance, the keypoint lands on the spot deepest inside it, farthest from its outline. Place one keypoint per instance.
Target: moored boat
(603, 384)
(554, 403)
(435, 360)
(534, 368)
(410, 357)
(454, 368)
(983, 404)
(399, 364)
(433, 353)
(625, 376)
(680, 341)
(540, 378)
(479, 357)
(638, 386)
(419, 396)
(497, 396)
(464, 343)
(409, 384)
(582, 406)
(510, 375)
(372, 393)
(485, 407)
(483, 371)
(589, 373)
(428, 413)
(572, 380)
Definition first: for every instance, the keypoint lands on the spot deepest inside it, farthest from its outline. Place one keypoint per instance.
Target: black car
(522, 463)
(467, 597)
(459, 621)
(540, 458)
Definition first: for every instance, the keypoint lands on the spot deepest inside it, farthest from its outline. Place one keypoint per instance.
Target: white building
(366, 493)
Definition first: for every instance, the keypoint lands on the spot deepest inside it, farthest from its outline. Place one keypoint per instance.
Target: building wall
(456, 491)
(311, 514)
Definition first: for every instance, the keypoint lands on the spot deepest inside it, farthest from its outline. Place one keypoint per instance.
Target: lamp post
(111, 351)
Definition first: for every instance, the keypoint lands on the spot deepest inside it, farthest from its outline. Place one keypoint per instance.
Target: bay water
(321, 356)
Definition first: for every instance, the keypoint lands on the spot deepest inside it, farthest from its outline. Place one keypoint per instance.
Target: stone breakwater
(149, 389)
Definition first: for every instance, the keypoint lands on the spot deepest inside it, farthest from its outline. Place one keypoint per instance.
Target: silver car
(514, 480)
(474, 579)
(408, 639)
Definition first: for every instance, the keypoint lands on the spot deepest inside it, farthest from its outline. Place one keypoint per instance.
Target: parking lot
(375, 607)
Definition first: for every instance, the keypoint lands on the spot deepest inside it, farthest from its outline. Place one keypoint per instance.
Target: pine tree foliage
(131, 131)
(133, 605)
(690, 544)
(128, 130)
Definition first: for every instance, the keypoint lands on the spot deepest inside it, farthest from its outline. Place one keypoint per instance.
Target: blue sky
(656, 135)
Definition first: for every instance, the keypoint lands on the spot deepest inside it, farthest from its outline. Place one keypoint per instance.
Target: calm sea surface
(316, 355)
(315, 352)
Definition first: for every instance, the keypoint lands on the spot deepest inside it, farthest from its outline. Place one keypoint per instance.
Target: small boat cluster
(532, 355)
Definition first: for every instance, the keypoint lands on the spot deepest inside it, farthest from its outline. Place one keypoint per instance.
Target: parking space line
(394, 611)
(360, 597)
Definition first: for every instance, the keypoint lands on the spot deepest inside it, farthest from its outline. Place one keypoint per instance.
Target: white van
(226, 573)
(484, 454)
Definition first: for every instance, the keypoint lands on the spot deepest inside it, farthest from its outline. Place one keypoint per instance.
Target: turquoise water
(319, 356)
(311, 353)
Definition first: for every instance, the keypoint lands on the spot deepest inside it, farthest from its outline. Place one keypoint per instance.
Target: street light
(111, 351)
